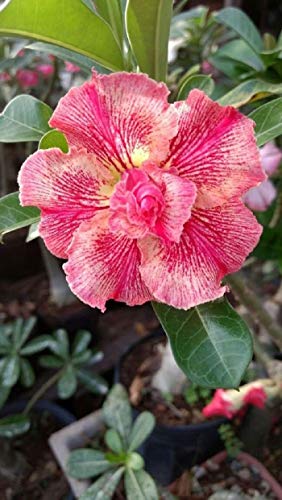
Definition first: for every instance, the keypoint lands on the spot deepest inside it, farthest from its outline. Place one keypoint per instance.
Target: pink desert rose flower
(45, 69)
(27, 78)
(71, 68)
(228, 403)
(260, 198)
(146, 205)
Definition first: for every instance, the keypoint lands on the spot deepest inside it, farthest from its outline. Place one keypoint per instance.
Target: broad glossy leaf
(210, 343)
(27, 377)
(10, 371)
(110, 10)
(148, 25)
(68, 24)
(85, 463)
(85, 63)
(140, 485)
(104, 487)
(113, 441)
(240, 51)
(36, 345)
(24, 119)
(93, 382)
(202, 82)
(117, 411)
(13, 216)
(81, 341)
(142, 428)
(251, 90)
(237, 20)
(14, 425)
(67, 383)
(54, 139)
(268, 118)
(89, 4)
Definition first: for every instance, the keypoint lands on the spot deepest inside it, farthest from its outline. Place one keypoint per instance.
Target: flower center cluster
(136, 205)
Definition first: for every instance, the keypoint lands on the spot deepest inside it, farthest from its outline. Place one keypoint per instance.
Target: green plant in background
(194, 394)
(232, 444)
(69, 361)
(117, 457)
(15, 348)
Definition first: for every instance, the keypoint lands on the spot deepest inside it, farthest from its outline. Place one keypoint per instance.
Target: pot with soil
(228, 478)
(27, 467)
(182, 436)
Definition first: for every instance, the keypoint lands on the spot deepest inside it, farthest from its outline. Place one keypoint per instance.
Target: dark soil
(28, 470)
(137, 371)
(231, 476)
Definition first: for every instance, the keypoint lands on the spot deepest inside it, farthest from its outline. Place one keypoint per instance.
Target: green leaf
(36, 345)
(210, 343)
(117, 411)
(71, 27)
(250, 90)
(27, 377)
(14, 425)
(148, 25)
(140, 486)
(268, 118)
(24, 119)
(17, 330)
(4, 394)
(93, 382)
(83, 358)
(113, 441)
(89, 4)
(142, 428)
(202, 82)
(13, 216)
(60, 343)
(54, 139)
(33, 232)
(110, 10)
(81, 341)
(10, 371)
(239, 51)
(67, 383)
(85, 463)
(104, 487)
(85, 63)
(49, 361)
(26, 330)
(237, 20)
(135, 461)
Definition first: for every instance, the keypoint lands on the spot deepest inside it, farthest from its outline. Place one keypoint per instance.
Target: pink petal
(216, 149)
(220, 405)
(260, 198)
(68, 188)
(256, 396)
(123, 118)
(214, 243)
(271, 157)
(104, 266)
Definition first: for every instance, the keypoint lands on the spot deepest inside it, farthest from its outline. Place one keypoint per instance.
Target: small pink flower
(27, 78)
(260, 197)
(71, 68)
(256, 396)
(221, 405)
(45, 69)
(147, 203)
(5, 77)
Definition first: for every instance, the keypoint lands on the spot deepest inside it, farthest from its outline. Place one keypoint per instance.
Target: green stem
(249, 299)
(51, 381)
(179, 7)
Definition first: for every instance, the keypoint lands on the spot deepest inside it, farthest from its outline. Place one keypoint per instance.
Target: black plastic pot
(62, 416)
(170, 450)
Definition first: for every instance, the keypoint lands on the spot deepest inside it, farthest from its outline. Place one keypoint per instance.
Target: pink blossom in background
(5, 77)
(260, 198)
(71, 68)
(45, 69)
(21, 53)
(220, 405)
(27, 78)
(147, 202)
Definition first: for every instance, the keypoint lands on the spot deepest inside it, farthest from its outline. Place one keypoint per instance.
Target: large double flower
(147, 202)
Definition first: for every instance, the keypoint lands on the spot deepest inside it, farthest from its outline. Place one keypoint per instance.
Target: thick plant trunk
(169, 378)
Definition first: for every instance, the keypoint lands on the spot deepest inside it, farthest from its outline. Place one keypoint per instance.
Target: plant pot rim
(176, 429)
(61, 414)
(248, 459)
